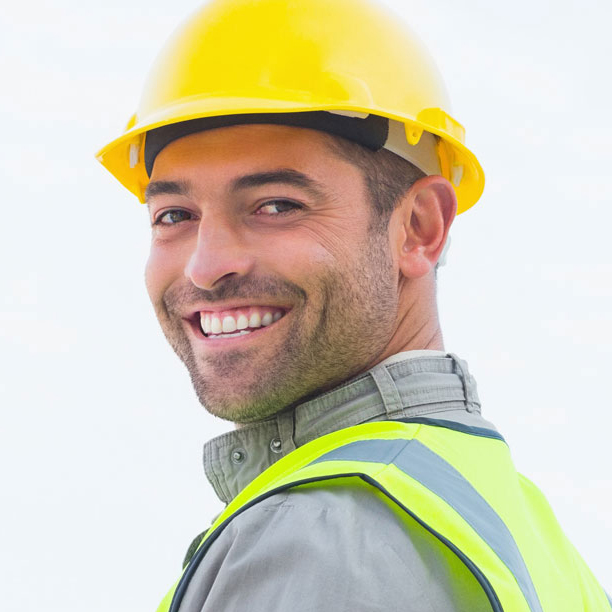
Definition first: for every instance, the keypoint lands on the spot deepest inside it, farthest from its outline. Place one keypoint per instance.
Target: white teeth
(242, 332)
(215, 325)
(229, 324)
(205, 323)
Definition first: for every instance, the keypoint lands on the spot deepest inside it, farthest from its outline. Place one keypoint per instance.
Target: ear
(422, 224)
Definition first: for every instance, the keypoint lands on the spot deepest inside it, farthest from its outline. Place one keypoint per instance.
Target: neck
(418, 325)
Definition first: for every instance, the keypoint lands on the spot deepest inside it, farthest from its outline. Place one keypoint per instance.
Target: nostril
(218, 256)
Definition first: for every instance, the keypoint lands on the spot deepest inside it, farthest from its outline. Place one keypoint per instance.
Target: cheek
(300, 256)
(163, 267)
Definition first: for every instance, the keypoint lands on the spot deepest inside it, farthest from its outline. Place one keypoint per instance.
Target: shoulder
(333, 547)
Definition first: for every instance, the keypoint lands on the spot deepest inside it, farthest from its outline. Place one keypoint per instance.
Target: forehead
(227, 150)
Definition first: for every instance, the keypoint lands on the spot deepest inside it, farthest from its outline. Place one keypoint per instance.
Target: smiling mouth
(237, 322)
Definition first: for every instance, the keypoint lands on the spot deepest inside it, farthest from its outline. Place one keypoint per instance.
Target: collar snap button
(238, 456)
(276, 446)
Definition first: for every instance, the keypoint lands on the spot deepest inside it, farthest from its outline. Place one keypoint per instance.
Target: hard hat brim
(124, 156)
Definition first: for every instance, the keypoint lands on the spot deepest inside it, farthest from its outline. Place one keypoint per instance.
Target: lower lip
(220, 341)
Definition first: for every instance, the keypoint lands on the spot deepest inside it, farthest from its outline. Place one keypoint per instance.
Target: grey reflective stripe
(609, 598)
(440, 477)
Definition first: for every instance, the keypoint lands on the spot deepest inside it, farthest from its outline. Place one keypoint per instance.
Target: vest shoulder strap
(460, 486)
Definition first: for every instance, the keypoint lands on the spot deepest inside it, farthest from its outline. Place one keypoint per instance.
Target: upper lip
(195, 310)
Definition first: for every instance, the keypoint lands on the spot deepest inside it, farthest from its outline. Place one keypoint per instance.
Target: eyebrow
(286, 176)
(166, 188)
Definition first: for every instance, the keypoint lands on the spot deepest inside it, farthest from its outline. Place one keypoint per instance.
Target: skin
(296, 237)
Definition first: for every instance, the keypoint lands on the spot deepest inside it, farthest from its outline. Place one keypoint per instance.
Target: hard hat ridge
(288, 57)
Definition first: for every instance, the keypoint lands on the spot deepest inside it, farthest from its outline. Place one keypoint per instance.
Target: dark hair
(387, 176)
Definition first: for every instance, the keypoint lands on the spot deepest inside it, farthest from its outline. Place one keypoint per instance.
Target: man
(301, 175)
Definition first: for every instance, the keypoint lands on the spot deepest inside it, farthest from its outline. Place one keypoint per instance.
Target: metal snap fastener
(276, 446)
(238, 455)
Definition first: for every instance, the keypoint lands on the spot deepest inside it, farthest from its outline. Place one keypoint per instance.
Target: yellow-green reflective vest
(459, 483)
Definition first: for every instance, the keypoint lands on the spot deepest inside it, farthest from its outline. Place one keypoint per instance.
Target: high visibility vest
(459, 484)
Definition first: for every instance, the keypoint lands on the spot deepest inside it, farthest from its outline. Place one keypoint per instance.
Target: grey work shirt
(342, 547)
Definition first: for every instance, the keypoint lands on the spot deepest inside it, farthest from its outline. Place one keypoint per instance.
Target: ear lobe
(426, 216)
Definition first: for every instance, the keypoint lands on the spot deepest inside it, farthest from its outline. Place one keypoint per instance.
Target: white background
(102, 486)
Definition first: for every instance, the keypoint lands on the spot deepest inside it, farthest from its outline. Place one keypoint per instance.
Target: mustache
(232, 288)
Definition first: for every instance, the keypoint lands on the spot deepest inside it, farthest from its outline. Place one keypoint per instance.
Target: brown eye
(172, 217)
(277, 207)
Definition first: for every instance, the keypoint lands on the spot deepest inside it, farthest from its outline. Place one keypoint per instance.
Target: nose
(219, 253)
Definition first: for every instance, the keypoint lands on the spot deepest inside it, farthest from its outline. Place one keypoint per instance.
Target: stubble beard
(337, 327)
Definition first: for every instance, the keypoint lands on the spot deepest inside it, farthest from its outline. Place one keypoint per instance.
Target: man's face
(260, 223)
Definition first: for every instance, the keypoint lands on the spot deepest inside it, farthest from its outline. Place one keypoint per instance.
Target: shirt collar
(409, 384)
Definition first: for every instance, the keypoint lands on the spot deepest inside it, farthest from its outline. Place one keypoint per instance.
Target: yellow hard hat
(350, 60)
